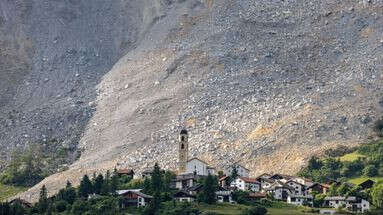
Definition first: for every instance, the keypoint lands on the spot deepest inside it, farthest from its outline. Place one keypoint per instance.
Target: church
(188, 165)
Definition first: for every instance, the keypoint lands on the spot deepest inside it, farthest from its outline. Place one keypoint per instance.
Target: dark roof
(184, 131)
(196, 187)
(135, 191)
(23, 202)
(257, 195)
(367, 184)
(281, 176)
(183, 194)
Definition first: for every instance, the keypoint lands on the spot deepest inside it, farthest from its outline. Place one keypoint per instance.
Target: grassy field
(233, 209)
(9, 191)
(351, 157)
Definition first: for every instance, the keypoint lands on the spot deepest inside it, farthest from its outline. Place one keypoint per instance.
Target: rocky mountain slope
(265, 83)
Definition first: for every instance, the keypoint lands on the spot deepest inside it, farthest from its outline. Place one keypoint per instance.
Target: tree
(241, 197)
(43, 200)
(378, 127)
(70, 193)
(343, 189)
(209, 188)
(332, 191)
(85, 187)
(167, 180)
(80, 207)
(60, 206)
(315, 163)
(113, 183)
(147, 186)
(98, 183)
(156, 179)
(370, 171)
(234, 173)
(377, 195)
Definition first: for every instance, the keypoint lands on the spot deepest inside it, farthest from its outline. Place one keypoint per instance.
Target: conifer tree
(210, 186)
(43, 200)
(98, 183)
(156, 180)
(85, 187)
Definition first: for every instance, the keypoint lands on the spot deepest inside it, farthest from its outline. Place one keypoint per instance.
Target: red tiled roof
(249, 180)
(223, 178)
(125, 171)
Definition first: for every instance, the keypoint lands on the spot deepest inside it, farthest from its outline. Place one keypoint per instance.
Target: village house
(367, 184)
(241, 170)
(318, 188)
(350, 203)
(265, 181)
(299, 189)
(183, 196)
(281, 177)
(224, 195)
(134, 197)
(127, 172)
(246, 184)
(186, 180)
(300, 200)
(199, 167)
(280, 191)
(223, 181)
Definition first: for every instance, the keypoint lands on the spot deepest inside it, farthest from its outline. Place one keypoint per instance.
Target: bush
(370, 171)
(61, 206)
(378, 127)
(258, 210)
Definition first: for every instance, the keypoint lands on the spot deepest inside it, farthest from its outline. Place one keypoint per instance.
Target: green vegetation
(7, 191)
(351, 157)
(364, 162)
(30, 166)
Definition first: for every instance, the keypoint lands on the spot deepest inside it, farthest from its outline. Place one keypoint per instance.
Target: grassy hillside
(7, 191)
(354, 165)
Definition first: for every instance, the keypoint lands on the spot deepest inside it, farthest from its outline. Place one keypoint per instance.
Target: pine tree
(156, 179)
(70, 193)
(43, 200)
(113, 183)
(98, 183)
(234, 173)
(147, 187)
(85, 187)
(210, 186)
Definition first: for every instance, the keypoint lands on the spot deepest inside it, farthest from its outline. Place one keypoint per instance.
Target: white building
(299, 189)
(246, 184)
(241, 170)
(199, 167)
(350, 203)
(280, 191)
(300, 200)
(224, 196)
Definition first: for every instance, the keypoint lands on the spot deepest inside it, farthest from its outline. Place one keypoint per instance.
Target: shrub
(60, 206)
(370, 171)
(258, 210)
(378, 127)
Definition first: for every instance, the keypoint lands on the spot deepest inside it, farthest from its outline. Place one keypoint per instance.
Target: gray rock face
(266, 83)
(52, 55)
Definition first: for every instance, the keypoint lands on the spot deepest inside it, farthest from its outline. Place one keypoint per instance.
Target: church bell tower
(183, 148)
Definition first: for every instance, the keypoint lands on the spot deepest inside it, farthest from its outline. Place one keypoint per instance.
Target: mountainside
(265, 83)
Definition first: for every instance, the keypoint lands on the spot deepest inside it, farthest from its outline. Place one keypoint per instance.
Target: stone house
(241, 170)
(299, 189)
(134, 197)
(183, 196)
(246, 184)
(350, 203)
(199, 167)
(300, 200)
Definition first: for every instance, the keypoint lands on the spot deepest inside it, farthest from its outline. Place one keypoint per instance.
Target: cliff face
(266, 83)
